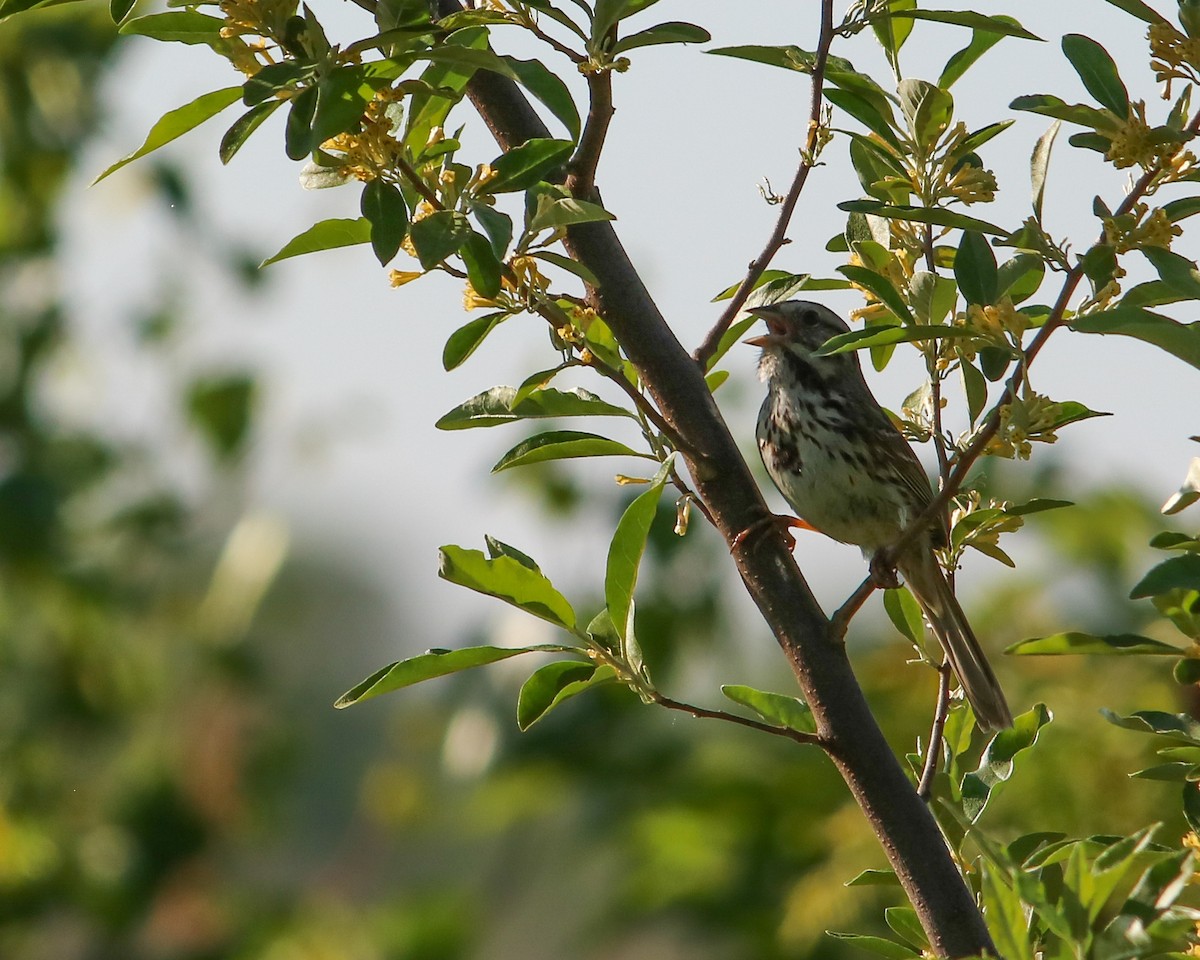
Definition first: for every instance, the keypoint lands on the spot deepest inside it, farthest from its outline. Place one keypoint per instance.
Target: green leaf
(550, 685)
(1177, 272)
(867, 113)
(1119, 644)
(483, 269)
(776, 709)
(890, 33)
(999, 26)
(975, 269)
(1039, 165)
(1182, 572)
(1166, 772)
(1098, 72)
(498, 226)
(1021, 277)
(245, 125)
(877, 945)
(571, 266)
(671, 32)
(932, 215)
(325, 235)
(500, 405)
(1175, 726)
(996, 764)
(1051, 106)
(885, 335)
(905, 613)
(180, 26)
(789, 57)
(874, 878)
(447, 80)
(981, 136)
(975, 388)
(549, 89)
(564, 212)
(959, 63)
(439, 236)
(1186, 671)
(625, 553)
(524, 165)
(881, 287)
(383, 206)
(1008, 920)
(466, 340)
(427, 666)
(118, 10)
(498, 548)
(1139, 10)
(1181, 340)
(274, 78)
(904, 923)
(298, 134)
(342, 98)
(1177, 210)
(175, 123)
(927, 108)
(563, 445)
(507, 579)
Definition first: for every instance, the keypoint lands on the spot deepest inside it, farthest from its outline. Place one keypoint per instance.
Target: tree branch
(581, 170)
(905, 827)
(934, 748)
(779, 235)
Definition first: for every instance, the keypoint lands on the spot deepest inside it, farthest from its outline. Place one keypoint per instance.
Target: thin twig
(705, 714)
(531, 25)
(840, 621)
(934, 748)
(778, 236)
(639, 399)
(581, 177)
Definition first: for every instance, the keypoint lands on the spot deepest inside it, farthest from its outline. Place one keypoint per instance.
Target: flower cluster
(1000, 322)
(1173, 55)
(1141, 227)
(522, 285)
(372, 150)
(1029, 418)
(972, 184)
(1136, 143)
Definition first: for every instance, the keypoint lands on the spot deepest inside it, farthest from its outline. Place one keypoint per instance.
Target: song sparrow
(847, 471)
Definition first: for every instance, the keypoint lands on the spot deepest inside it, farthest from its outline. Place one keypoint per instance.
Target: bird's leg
(780, 522)
(883, 570)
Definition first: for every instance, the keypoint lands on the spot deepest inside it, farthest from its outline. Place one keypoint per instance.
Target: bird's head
(796, 330)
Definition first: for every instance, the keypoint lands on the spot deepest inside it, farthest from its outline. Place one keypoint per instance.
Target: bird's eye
(809, 318)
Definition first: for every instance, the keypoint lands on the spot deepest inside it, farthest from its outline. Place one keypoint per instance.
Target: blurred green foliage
(173, 783)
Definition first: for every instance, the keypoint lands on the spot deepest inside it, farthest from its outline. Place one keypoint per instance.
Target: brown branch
(934, 748)
(704, 714)
(904, 825)
(778, 236)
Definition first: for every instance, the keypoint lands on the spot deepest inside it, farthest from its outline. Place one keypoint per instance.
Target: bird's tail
(928, 584)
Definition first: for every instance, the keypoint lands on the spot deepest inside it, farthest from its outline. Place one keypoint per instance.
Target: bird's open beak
(776, 327)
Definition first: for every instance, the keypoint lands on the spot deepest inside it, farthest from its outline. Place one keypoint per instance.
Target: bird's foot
(781, 523)
(883, 570)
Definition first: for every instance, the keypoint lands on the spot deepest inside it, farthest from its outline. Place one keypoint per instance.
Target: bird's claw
(883, 570)
(783, 524)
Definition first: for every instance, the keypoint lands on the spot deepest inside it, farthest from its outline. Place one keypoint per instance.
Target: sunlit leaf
(175, 123)
(466, 339)
(1120, 644)
(554, 683)
(507, 579)
(996, 764)
(499, 405)
(563, 445)
(325, 235)
(1182, 572)
(775, 708)
(884, 335)
(427, 666)
(933, 215)
(625, 553)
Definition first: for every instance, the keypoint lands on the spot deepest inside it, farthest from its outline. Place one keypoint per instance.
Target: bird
(848, 472)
